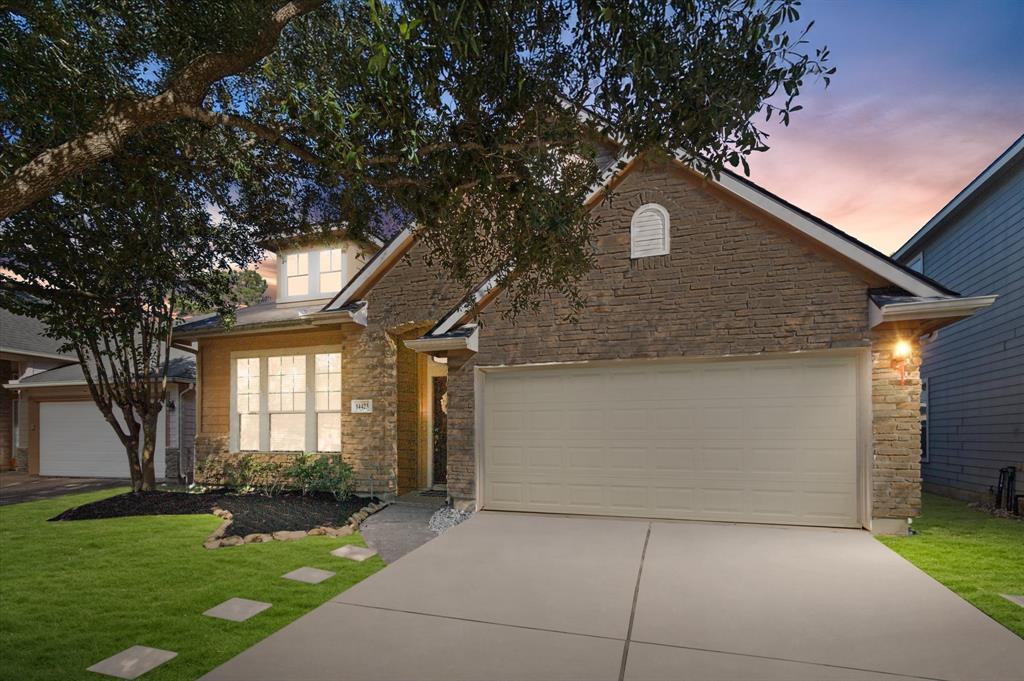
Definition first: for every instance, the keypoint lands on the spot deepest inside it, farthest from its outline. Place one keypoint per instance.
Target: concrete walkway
(402, 526)
(516, 596)
(17, 487)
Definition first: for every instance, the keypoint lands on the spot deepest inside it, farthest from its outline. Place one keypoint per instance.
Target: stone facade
(896, 430)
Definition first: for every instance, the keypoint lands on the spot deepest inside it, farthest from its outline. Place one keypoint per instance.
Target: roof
(995, 169)
(27, 336)
(268, 316)
(182, 368)
(319, 234)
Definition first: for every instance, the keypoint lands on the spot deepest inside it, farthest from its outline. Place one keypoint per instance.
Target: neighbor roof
(26, 336)
(266, 316)
(987, 176)
(182, 368)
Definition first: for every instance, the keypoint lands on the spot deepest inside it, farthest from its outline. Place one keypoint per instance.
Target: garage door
(75, 440)
(761, 440)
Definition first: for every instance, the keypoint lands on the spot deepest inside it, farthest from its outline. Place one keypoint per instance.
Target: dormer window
(313, 274)
(649, 231)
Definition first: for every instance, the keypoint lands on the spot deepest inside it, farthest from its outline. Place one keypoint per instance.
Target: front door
(439, 429)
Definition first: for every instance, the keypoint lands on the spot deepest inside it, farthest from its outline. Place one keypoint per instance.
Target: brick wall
(896, 427)
(732, 284)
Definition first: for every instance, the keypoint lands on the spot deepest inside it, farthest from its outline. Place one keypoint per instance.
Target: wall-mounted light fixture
(170, 405)
(441, 360)
(901, 352)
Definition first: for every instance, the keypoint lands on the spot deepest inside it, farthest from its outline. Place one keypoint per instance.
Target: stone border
(220, 537)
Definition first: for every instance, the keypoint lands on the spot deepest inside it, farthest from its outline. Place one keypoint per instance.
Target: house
(55, 428)
(271, 381)
(972, 373)
(736, 359)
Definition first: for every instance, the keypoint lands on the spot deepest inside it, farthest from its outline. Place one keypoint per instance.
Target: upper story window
(917, 264)
(318, 273)
(649, 231)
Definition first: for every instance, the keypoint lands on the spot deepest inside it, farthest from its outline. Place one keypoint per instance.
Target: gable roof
(22, 335)
(1014, 152)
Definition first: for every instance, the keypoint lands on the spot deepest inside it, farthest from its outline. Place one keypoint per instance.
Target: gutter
(42, 355)
(442, 345)
(950, 308)
(320, 318)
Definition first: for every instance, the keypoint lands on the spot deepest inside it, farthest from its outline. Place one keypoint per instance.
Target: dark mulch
(252, 513)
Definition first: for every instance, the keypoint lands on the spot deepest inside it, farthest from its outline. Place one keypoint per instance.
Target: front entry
(438, 437)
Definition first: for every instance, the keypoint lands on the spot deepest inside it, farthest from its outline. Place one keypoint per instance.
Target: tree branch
(41, 176)
(264, 132)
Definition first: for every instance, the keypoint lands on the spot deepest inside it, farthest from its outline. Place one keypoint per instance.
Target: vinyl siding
(975, 370)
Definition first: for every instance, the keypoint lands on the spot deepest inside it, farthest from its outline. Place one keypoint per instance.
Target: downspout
(181, 431)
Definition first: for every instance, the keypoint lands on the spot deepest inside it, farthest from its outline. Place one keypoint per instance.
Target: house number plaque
(362, 406)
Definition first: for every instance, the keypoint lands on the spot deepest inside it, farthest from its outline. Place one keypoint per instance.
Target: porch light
(900, 354)
(441, 360)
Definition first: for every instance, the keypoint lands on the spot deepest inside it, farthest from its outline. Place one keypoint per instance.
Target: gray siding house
(973, 371)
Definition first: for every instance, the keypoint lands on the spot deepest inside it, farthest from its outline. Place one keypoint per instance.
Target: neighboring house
(57, 429)
(736, 359)
(974, 370)
(24, 350)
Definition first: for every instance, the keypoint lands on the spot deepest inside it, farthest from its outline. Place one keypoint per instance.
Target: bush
(321, 473)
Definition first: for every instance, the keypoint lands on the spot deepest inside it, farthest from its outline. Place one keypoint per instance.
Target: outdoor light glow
(902, 349)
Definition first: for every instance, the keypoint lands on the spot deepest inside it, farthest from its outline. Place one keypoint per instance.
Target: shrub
(321, 473)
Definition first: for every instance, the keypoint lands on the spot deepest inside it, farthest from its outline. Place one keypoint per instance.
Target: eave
(457, 346)
(926, 315)
(354, 315)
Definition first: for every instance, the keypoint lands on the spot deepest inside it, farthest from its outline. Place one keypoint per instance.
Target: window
(287, 402)
(924, 421)
(313, 274)
(330, 270)
(649, 231)
(328, 402)
(297, 281)
(917, 264)
(247, 403)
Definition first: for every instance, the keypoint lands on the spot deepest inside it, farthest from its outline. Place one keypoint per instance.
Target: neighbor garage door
(75, 440)
(760, 440)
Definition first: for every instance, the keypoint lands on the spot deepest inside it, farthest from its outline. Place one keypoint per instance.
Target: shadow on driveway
(17, 487)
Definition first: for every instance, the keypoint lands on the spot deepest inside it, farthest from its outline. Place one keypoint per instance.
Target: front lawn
(74, 593)
(972, 552)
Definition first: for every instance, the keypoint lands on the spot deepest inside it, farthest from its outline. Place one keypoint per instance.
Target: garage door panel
(770, 440)
(75, 440)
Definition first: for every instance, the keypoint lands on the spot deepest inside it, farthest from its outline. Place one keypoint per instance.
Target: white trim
(15, 385)
(442, 344)
(309, 352)
(376, 262)
(635, 252)
(312, 254)
(32, 353)
(928, 309)
(449, 321)
(965, 193)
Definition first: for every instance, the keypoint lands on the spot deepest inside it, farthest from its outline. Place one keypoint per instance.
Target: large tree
(459, 115)
(110, 262)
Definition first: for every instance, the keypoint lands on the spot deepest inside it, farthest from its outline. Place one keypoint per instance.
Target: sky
(927, 94)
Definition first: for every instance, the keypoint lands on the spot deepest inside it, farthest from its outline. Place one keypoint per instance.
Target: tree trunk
(133, 464)
(148, 453)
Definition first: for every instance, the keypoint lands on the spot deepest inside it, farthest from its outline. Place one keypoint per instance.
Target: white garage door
(760, 440)
(75, 440)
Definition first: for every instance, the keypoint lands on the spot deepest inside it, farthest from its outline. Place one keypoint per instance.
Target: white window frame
(666, 226)
(313, 270)
(310, 353)
(917, 263)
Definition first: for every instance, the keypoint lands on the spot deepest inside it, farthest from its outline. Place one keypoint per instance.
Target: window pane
(249, 432)
(330, 260)
(288, 432)
(328, 432)
(298, 263)
(330, 281)
(298, 286)
(286, 383)
(247, 387)
(328, 381)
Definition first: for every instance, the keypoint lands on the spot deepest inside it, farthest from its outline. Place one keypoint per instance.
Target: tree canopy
(460, 116)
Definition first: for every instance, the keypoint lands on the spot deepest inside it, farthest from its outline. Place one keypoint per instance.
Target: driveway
(16, 487)
(518, 596)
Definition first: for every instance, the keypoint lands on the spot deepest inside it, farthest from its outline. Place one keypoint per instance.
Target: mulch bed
(252, 513)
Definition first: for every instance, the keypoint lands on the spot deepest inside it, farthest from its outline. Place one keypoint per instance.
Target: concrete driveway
(516, 596)
(17, 487)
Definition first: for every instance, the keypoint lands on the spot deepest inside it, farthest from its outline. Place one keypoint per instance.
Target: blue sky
(927, 94)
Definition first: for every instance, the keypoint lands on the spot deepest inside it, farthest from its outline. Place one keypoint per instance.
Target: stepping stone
(132, 663)
(309, 575)
(354, 553)
(1019, 600)
(237, 609)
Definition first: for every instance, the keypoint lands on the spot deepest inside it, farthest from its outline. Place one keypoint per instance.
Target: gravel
(446, 518)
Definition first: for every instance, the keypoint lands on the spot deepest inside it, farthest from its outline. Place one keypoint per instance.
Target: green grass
(74, 593)
(973, 553)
